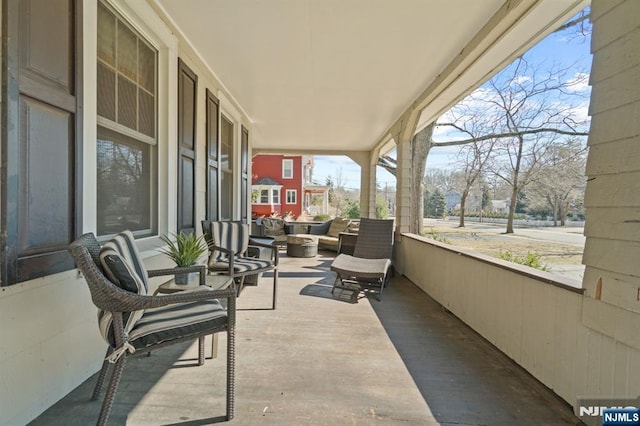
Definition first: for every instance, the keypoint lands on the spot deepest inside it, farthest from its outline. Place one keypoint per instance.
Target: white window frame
(290, 192)
(154, 36)
(268, 194)
(285, 162)
(273, 195)
(155, 31)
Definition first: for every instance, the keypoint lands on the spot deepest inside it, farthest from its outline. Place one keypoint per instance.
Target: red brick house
(282, 185)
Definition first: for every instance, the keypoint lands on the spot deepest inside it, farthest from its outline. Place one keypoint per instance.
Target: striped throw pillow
(123, 266)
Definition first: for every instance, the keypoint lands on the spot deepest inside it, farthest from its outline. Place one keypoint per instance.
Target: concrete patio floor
(329, 360)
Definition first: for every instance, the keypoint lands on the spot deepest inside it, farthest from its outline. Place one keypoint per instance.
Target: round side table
(302, 245)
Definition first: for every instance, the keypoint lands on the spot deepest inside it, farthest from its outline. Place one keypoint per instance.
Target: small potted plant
(184, 249)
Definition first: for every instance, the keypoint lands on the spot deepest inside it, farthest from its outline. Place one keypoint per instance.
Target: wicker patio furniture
(229, 253)
(302, 245)
(370, 263)
(134, 323)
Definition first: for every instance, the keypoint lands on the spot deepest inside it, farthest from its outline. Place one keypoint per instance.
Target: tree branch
(388, 163)
(509, 135)
(573, 23)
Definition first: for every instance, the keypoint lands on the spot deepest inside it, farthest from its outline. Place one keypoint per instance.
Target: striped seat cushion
(241, 265)
(123, 266)
(166, 323)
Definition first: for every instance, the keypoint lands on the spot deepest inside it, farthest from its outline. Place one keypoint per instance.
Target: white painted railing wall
(534, 317)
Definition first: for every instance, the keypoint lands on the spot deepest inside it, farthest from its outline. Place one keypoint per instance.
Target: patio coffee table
(302, 245)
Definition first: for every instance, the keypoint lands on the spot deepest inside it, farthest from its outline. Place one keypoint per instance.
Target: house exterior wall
(49, 339)
(612, 198)
(270, 166)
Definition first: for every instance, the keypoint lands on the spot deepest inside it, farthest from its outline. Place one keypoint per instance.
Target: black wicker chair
(230, 253)
(200, 314)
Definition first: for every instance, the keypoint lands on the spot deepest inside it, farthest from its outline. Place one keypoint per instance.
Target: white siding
(612, 199)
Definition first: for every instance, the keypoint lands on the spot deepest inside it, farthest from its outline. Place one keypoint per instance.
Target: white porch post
(402, 134)
(367, 161)
(368, 187)
(325, 202)
(403, 185)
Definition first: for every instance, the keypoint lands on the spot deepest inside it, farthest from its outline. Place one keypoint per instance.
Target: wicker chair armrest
(109, 297)
(201, 269)
(230, 255)
(124, 301)
(228, 252)
(273, 246)
(176, 270)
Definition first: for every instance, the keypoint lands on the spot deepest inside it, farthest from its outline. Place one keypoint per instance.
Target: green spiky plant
(185, 250)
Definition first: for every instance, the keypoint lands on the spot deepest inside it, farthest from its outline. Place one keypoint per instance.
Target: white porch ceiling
(327, 76)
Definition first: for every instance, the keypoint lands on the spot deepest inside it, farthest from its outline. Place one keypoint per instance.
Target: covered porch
(323, 359)
(234, 78)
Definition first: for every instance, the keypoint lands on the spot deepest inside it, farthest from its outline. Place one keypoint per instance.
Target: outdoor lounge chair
(230, 254)
(134, 323)
(371, 261)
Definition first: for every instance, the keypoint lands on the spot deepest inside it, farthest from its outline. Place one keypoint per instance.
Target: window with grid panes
(264, 196)
(291, 196)
(287, 169)
(126, 146)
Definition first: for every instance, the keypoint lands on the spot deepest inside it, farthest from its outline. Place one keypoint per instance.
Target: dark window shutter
(187, 98)
(41, 192)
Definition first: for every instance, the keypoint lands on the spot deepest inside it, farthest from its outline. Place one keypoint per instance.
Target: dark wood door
(187, 98)
(41, 188)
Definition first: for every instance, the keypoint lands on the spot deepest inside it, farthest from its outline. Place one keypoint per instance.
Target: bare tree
(524, 109)
(442, 179)
(532, 106)
(472, 159)
(562, 180)
(521, 86)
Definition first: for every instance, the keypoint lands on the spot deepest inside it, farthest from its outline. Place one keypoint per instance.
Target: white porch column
(367, 161)
(325, 202)
(402, 135)
(403, 186)
(368, 187)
